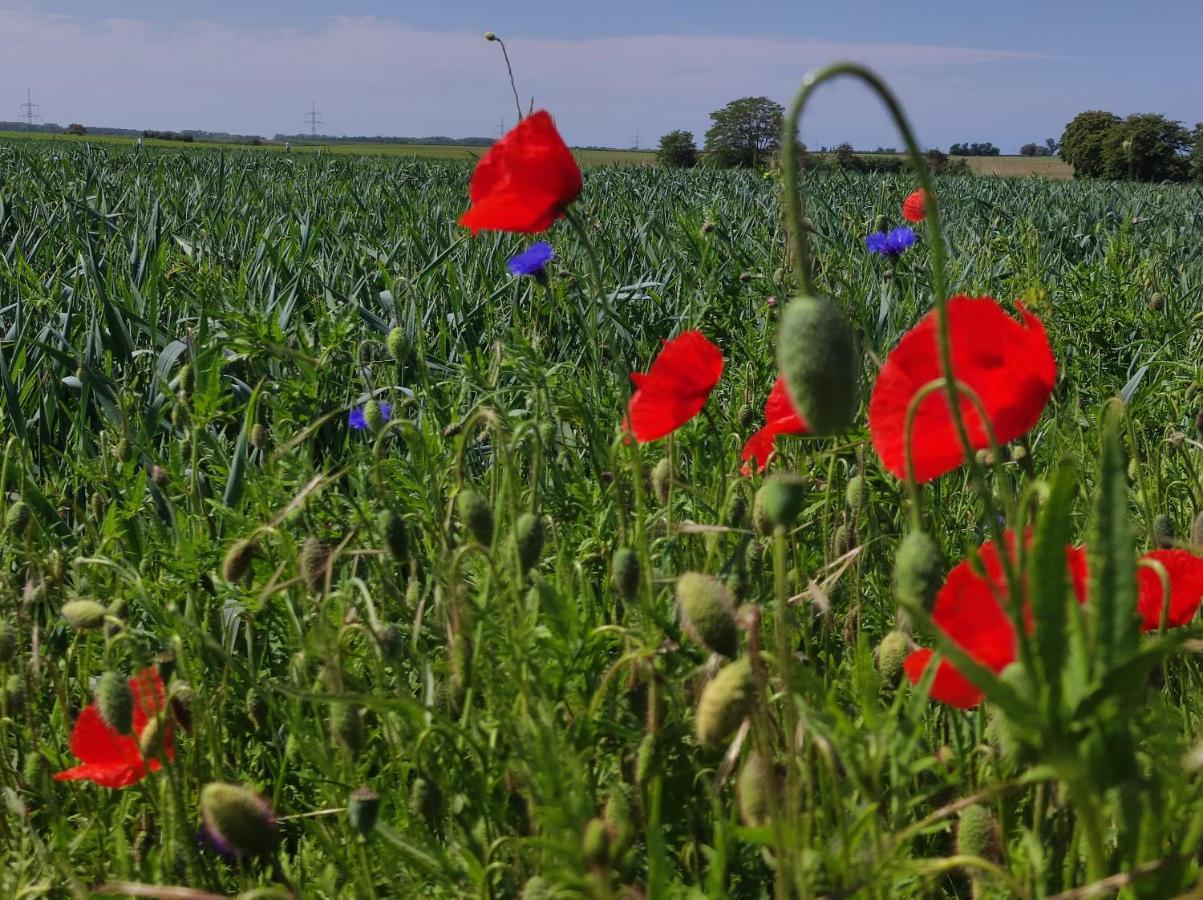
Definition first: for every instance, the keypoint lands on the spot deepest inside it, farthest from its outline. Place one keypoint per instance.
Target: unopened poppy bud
(392, 529)
(977, 833)
(842, 541)
(315, 563)
(1196, 530)
(99, 506)
(426, 800)
(781, 498)
(490, 36)
(528, 536)
(856, 494)
(595, 844)
(747, 416)
(1163, 531)
(187, 380)
(737, 510)
(17, 519)
(115, 702)
(389, 638)
(363, 808)
(725, 701)
(1156, 302)
(754, 559)
(373, 416)
(123, 451)
(261, 437)
(256, 709)
(346, 722)
(891, 654)
(816, 353)
(8, 643)
(83, 615)
(624, 573)
(475, 516)
(757, 784)
(152, 737)
(397, 344)
(237, 564)
(661, 480)
(14, 693)
(918, 571)
(619, 817)
(238, 820)
(706, 610)
(646, 759)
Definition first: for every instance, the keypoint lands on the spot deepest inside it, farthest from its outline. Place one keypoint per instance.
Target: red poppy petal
(949, 685)
(516, 211)
(968, 611)
(779, 406)
(1075, 559)
(95, 743)
(118, 775)
(1008, 364)
(913, 207)
(1185, 571)
(149, 696)
(675, 388)
(689, 363)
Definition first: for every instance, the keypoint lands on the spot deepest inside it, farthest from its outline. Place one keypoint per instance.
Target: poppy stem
(510, 69)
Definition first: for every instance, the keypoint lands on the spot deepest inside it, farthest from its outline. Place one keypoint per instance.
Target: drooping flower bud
(393, 530)
(661, 480)
(595, 844)
(977, 833)
(83, 615)
(426, 800)
(624, 573)
(315, 563)
(373, 416)
(475, 516)
(724, 703)
(706, 610)
(346, 723)
(99, 506)
(918, 570)
(891, 653)
(115, 702)
(780, 499)
(619, 818)
(14, 693)
(856, 494)
(397, 344)
(237, 820)
(816, 352)
(237, 564)
(646, 759)
(755, 788)
(363, 808)
(17, 519)
(1163, 531)
(261, 437)
(187, 380)
(528, 536)
(152, 738)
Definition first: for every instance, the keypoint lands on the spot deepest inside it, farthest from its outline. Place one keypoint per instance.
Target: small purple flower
(532, 261)
(358, 417)
(890, 244)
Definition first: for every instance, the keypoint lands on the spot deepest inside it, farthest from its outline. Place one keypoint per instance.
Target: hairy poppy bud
(261, 437)
(737, 510)
(706, 610)
(83, 615)
(490, 36)
(17, 519)
(237, 564)
(842, 541)
(780, 499)
(397, 344)
(346, 722)
(8, 643)
(115, 702)
(661, 480)
(363, 808)
(426, 800)
(977, 833)
(816, 353)
(624, 572)
(891, 653)
(14, 693)
(856, 494)
(152, 738)
(123, 451)
(475, 516)
(1163, 531)
(595, 844)
(315, 563)
(747, 416)
(725, 701)
(757, 784)
(238, 820)
(918, 570)
(392, 528)
(528, 536)
(256, 709)
(646, 759)
(373, 416)
(619, 818)
(187, 380)
(99, 505)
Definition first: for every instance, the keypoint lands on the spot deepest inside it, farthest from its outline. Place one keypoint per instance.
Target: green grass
(503, 710)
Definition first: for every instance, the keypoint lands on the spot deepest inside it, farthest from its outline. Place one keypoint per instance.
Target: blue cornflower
(358, 417)
(532, 261)
(890, 244)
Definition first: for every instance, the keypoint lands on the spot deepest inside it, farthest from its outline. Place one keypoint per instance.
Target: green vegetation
(1142, 147)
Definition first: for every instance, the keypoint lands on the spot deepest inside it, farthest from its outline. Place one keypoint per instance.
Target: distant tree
(1052, 146)
(1147, 147)
(677, 150)
(1029, 149)
(76, 129)
(1084, 139)
(745, 132)
(975, 149)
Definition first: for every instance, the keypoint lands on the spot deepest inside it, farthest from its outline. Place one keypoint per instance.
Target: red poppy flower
(914, 206)
(675, 388)
(968, 610)
(1185, 571)
(1008, 364)
(525, 181)
(780, 417)
(111, 759)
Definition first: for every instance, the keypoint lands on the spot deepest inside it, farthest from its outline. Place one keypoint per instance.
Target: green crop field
(452, 650)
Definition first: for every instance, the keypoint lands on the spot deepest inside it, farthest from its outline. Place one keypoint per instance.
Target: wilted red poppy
(914, 206)
(111, 759)
(968, 610)
(675, 388)
(1008, 364)
(780, 417)
(525, 181)
(1185, 571)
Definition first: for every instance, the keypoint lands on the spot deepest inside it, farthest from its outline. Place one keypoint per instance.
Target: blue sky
(1006, 73)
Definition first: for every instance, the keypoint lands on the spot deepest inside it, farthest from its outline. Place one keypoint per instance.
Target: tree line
(1141, 147)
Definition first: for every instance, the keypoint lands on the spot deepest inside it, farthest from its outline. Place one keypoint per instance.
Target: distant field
(1020, 166)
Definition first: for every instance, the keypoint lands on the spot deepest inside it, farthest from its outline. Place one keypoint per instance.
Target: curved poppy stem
(510, 69)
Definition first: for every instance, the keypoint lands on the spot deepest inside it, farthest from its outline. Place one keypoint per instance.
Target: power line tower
(313, 118)
(29, 109)
(501, 126)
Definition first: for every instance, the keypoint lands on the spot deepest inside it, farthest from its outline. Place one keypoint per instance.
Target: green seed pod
(619, 817)
(83, 615)
(816, 352)
(346, 724)
(152, 737)
(528, 536)
(475, 516)
(918, 570)
(315, 563)
(1163, 531)
(115, 702)
(780, 499)
(706, 611)
(238, 819)
(646, 759)
(625, 573)
(237, 564)
(595, 844)
(363, 808)
(14, 694)
(397, 344)
(373, 416)
(737, 510)
(393, 529)
(187, 380)
(426, 800)
(99, 506)
(1196, 530)
(661, 480)
(754, 559)
(8, 643)
(891, 654)
(856, 494)
(261, 437)
(17, 519)
(757, 784)
(725, 701)
(977, 833)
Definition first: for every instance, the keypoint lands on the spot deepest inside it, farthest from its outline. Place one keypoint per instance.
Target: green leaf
(1048, 579)
(237, 467)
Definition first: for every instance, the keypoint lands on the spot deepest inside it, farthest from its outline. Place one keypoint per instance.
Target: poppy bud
(17, 519)
(754, 559)
(595, 844)
(737, 510)
(346, 723)
(528, 536)
(661, 480)
(977, 833)
(8, 643)
(475, 516)
(1156, 302)
(780, 500)
(187, 380)
(363, 807)
(238, 820)
(237, 564)
(856, 494)
(1163, 531)
(83, 615)
(757, 784)
(624, 572)
(619, 818)
(725, 701)
(392, 527)
(123, 451)
(1196, 530)
(843, 541)
(115, 702)
(373, 416)
(918, 570)
(891, 653)
(646, 759)
(816, 353)
(426, 800)
(747, 417)
(152, 737)
(490, 36)
(99, 506)
(256, 709)
(261, 437)
(397, 344)
(315, 563)
(14, 693)
(706, 610)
